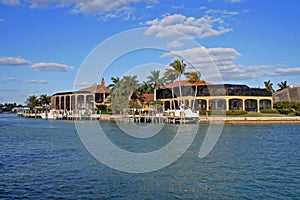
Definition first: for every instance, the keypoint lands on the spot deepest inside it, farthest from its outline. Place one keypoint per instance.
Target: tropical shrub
(270, 111)
(285, 111)
(102, 107)
(236, 112)
(287, 105)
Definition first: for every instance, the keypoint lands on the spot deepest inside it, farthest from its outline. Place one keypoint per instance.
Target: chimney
(102, 82)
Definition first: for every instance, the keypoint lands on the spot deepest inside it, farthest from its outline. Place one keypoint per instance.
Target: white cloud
(5, 80)
(10, 2)
(179, 7)
(203, 27)
(37, 82)
(101, 6)
(288, 71)
(8, 90)
(222, 12)
(201, 56)
(174, 44)
(13, 61)
(105, 8)
(211, 60)
(49, 66)
(125, 13)
(281, 65)
(236, 1)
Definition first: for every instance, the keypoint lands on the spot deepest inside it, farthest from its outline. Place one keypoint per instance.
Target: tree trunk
(180, 93)
(195, 98)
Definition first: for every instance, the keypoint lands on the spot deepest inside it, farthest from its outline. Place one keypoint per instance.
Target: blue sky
(43, 44)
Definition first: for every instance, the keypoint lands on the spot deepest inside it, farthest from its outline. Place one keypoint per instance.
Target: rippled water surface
(46, 159)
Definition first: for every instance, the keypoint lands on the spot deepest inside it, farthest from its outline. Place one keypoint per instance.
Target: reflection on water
(46, 159)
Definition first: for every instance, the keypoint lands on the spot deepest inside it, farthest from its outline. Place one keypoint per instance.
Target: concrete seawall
(250, 120)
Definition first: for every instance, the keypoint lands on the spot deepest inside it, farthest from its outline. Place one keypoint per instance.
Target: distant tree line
(33, 101)
(7, 107)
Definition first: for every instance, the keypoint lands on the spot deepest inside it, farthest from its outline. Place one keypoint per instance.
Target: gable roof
(97, 89)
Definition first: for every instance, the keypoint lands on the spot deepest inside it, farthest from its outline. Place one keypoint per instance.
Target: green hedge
(287, 105)
(223, 112)
(274, 111)
(101, 107)
(285, 111)
(236, 112)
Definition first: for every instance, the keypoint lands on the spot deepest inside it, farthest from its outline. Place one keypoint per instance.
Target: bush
(298, 113)
(274, 111)
(287, 105)
(236, 112)
(223, 112)
(285, 111)
(102, 107)
(212, 112)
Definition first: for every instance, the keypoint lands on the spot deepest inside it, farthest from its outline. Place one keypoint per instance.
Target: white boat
(183, 112)
(52, 114)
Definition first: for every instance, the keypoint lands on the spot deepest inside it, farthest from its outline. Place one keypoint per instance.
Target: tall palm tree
(170, 76)
(179, 67)
(130, 84)
(115, 81)
(146, 88)
(282, 85)
(122, 93)
(44, 99)
(269, 86)
(32, 101)
(194, 78)
(155, 79)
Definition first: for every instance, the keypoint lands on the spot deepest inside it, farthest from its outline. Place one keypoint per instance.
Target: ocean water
(44, 159)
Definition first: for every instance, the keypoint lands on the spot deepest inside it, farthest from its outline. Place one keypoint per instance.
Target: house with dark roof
(84, 99)
(208, 96)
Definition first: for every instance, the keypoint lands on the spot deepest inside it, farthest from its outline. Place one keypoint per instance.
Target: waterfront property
(214, 96)
(84, 99)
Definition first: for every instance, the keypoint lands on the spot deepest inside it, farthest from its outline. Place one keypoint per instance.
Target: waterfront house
(84, 99)
(214, 96)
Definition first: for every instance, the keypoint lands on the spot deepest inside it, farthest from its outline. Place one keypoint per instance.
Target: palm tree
(115, 81)
(155, 79)
(179, 67)
(146, 88)
(269, 86)
(122, 92)
(194, 78)
(170, 76)
(32, 101)
(282, 85)
(44, 99)
(130, 84)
